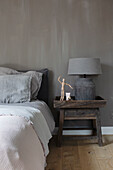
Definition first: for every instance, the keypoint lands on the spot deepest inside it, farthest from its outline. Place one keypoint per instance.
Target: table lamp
(84, 87)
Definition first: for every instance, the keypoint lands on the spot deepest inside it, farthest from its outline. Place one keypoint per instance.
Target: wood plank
(76, 137)
(102, 152)
(60, 130)
(54, 159)
(104, 155)
(79, 103)
(87, 157)
(99, 134)
(70, 158)
(79, 118)
(106, 164)
(81, 155)
(81, 112)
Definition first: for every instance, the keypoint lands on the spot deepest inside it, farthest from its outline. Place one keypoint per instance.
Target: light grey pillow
(4, 70)
(15, 88)
(36, 82)
(36, 79)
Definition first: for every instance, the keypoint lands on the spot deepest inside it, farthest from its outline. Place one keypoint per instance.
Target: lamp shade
(81, 66)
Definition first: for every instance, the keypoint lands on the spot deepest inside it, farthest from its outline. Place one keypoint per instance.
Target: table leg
(99, 134)
(61, 122)
(94, 127)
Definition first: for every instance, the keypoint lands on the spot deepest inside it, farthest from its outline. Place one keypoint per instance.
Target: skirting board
(105, 131)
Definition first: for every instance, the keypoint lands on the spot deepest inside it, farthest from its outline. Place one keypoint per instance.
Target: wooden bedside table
(84, 109)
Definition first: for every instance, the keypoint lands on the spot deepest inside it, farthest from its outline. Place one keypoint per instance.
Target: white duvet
(24, 137)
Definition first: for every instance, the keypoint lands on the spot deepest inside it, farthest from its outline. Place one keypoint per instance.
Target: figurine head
(63, 80)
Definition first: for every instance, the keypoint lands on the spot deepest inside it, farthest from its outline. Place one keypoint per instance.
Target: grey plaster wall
(46, 33)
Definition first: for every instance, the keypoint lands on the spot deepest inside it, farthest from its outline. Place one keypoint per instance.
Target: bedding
(15, 89)
(35, 83)
(36, 78)
(5, 70)
(43, 107)
(21, 147)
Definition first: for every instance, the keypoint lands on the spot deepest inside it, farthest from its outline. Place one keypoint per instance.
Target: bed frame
(43, 92)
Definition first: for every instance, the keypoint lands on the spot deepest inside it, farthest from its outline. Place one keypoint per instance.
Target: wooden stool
(82, 110)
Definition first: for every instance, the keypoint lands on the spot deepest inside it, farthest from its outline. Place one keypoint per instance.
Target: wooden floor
(81, 155)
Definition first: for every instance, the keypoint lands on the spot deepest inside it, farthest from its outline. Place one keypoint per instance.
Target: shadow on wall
(104, 88)
(16, 66)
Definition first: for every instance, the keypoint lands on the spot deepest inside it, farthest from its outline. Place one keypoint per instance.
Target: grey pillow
(15, 88)
(36, 79)
(4, 70)
(36, 82)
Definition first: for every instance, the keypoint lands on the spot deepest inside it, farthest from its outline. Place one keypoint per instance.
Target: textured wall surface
(46, 33)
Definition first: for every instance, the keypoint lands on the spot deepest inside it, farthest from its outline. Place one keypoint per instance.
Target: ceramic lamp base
(84, 89)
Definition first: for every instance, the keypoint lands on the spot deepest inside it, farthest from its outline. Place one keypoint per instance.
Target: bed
(25, 126)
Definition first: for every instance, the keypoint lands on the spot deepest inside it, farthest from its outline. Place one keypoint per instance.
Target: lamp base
(84, 89)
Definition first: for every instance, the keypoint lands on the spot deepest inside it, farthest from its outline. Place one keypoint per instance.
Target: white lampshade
(87, 66)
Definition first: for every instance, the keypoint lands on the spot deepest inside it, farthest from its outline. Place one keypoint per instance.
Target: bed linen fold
(35, 117)
(20, 148)
(43, 107)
